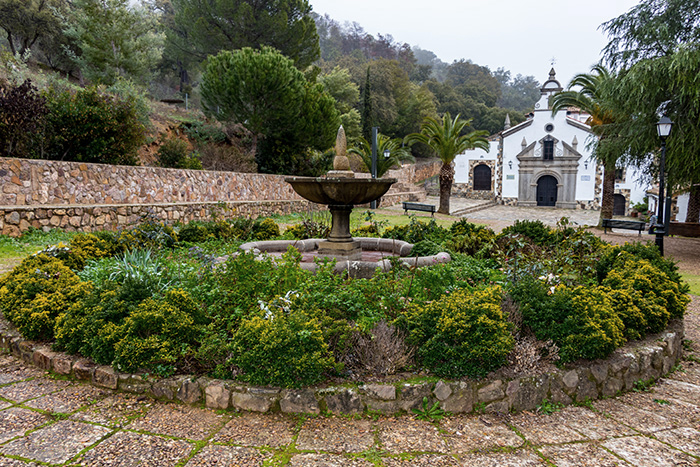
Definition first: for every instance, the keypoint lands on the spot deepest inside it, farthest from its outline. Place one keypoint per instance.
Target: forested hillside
(266, 84)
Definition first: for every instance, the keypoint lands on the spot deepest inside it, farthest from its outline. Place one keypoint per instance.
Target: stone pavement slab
(593, 425)
(647, 452)
(638, 419)
(423, 460)
(115, 410)
(335, 435)
(327, 460)
(581, 455)
(227, 456)
(677, 411)
(7, 462)
(31, 389)
(685, 439)
(180, 421)
(468, 433)
(16, 421)
(545, 429)
(254, 430)
(126, 449)
(55, 443)
(68, 400)
(519, 458)
(406, 434)
(679, 389)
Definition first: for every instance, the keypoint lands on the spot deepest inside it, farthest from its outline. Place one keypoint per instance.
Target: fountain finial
(341, 163)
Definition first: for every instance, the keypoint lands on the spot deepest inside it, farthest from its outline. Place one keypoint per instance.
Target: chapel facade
(544, 161)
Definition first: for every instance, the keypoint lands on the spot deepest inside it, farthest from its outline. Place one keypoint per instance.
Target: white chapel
(543, 161)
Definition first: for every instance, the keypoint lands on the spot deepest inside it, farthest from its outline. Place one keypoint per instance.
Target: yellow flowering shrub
(657, 296)
(284, 349)
(34, 293)
(462, 334)
(592, 329)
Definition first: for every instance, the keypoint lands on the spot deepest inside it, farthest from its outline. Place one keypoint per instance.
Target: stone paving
(48, 421)
(498, 216)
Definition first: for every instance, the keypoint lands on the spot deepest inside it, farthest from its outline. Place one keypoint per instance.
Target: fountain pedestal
(339, 243)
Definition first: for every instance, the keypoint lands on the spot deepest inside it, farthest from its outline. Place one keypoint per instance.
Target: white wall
(462, 160)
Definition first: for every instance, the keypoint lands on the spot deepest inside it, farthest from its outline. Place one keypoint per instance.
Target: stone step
(471, 209)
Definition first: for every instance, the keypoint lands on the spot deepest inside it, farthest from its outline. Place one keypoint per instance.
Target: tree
(367, 114)
(264, 92)
(444, 136)
(213, 26)
(397, 153)
(338, 83)
(658, 41)
(26, 21)
(653, 28)
(663, 85)
(594, 97)
(114, 40)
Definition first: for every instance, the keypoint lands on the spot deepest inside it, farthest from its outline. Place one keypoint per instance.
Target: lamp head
(663, 127)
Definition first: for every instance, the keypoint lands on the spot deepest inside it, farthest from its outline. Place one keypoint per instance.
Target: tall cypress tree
(367, 120)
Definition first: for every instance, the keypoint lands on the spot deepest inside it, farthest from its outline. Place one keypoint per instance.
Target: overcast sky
(522, 36)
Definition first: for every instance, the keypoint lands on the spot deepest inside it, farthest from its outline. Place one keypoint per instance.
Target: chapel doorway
(547, 191)
(482, 178)
(619, 205)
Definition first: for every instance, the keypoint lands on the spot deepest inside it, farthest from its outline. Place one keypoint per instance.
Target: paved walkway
(497, 217)
(58, 422)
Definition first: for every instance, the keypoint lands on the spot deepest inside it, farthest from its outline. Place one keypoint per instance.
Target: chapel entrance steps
(461, 212)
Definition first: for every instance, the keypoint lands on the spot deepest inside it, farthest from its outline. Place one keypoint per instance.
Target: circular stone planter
(643, 360)
(375, 254)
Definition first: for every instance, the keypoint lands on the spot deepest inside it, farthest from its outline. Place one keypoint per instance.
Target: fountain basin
(375, 254)
(340, 191)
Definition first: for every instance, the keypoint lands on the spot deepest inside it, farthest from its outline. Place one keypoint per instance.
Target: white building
(543, 161)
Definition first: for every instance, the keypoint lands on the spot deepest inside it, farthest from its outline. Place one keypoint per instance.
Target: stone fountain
(340, 191)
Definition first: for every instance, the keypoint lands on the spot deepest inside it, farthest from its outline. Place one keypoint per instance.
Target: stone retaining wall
(86, 197)
(640, 360)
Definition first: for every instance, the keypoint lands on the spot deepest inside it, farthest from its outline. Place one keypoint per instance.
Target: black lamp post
(663, 128)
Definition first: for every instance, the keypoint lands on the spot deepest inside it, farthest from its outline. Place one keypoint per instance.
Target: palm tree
(594, 96)
(444, 136)
(397, 153)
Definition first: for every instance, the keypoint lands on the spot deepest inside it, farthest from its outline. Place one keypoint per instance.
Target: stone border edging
(643, 360)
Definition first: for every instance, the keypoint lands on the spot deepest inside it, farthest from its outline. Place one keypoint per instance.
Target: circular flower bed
(153, 300)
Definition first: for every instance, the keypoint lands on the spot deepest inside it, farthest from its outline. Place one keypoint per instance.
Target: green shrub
(464, 227)
(364, 231)
(653, 292)
(65, 253)
(478, 242)
(297, 231)
(22, 118)
(36, 292)
(461, 334)
(284, 350)
(592, 329)
(617, 256)
(196, 232)
(92, 126)
(416, 231)
(148, 234)
(174, 153)
(265, 229)
(159, 333)
(426, 248)
(535, 230)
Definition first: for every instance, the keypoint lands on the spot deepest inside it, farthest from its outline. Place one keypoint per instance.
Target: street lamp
(663, 128)
(387, 154)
